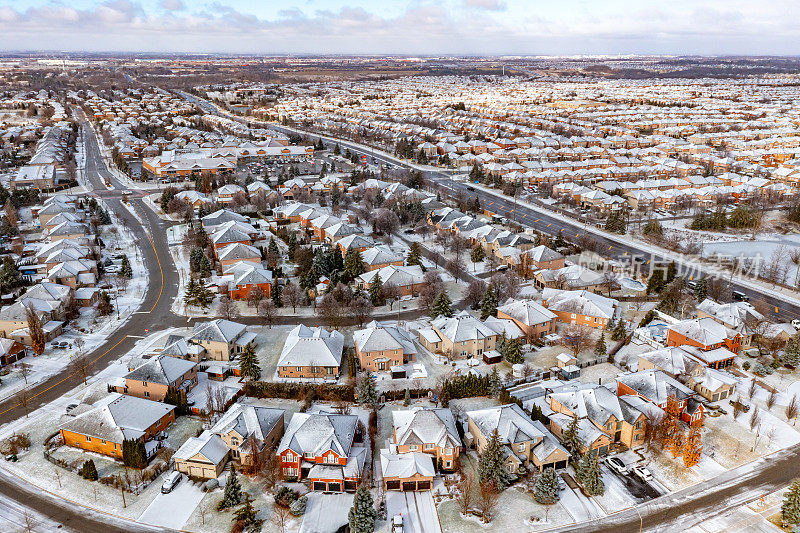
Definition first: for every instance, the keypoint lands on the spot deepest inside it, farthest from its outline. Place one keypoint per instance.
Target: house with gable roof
(431, 431)
(153, 379)
(311, 353)
(379, 347)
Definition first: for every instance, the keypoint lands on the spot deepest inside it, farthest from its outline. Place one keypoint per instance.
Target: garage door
(423, 485)
(561, 464)
(409, 485)
(320, 485)
(334, 487)
(350, 486)
(393, 485)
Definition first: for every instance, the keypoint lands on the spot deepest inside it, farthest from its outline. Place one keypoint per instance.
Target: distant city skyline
(447, 27)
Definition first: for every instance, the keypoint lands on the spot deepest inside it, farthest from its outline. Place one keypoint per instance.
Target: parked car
(170, 481)
(397, 523)
(642, 473)
(617, 464)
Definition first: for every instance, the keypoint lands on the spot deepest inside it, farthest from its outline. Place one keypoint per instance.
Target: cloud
(423, 27)
(488, 5)
(172, 5)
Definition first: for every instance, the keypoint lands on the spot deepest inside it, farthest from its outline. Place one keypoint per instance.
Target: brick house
(380, 347)
(431, 431)
(311, 353)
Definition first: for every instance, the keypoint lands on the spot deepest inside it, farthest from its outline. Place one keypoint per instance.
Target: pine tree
(275, 293)
(600, 350)
(233, 492)
(125, 268)
(89, 471)
(495, 386)
(545, 491)
(489, 303)
(273, 247)
(490, 463)
(571, 439)
(414, 254)
(292, 244)
(477, 254)
(362, 515)
(376, 291)
(407, 398)
(442, 306)
(248, 364)
(353, 264)
(790, 508)
(366, 392)
(9, 274)
(672, 271)
(700, 289)
(513, 351)
(590, 476)
(246, 514)
(791, 355)
(619, 332)
(656, 281)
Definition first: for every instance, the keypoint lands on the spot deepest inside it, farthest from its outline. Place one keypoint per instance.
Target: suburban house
(103, 428)
(462, 335)
(154, 378)
(527, 443)
(580, 307)
(245, 276)
(311, 353)
(221, 339)
(532, 318)
(706, 334)
(657, 387)
(593, 439)
(319, 448)
(381, 256)
(240, 429)
(380, 347)
(409, 471)
(738, 316)
(543, 258)
(11, 351)
(683, 364)
(431, 431)
(404, 280)
(622, 421)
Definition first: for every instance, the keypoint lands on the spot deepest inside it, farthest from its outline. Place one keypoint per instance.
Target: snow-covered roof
(405, 465)
(316, 346)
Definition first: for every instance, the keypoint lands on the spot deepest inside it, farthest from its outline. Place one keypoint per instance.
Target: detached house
(580, 307)
(657, 387)
(525, 442)
(311, 353)
(221, 339)
(319, 448)
(380, 347)
(462, 336)
(533, 319)
(431, 431)
(154, 378)
(708, 335)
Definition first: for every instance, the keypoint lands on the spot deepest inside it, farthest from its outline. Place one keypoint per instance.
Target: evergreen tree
(292, 244)
(414, 254)
(791, 355)
(672, 271)
(9, 275)
(407, 398)
(490, 463)
(790, 508)
(275, 293)
(247, 514)
(366, 393)
(600, 350)
(442, 306)
(205, 267)
(545, 491)
(656, 281)
(619, 331)
(489, 303)
(273, 247)
(248, 364)
(376, 291)
(362, 515)
(125, 268)
(89, 471)
(611, 323)
(590, 476)
(134, 454)
(570, 438)
(477, 254)
(495, 386)
(700, 290)
(353, 264)
(233, 492)
(513, 351)
(559, 241)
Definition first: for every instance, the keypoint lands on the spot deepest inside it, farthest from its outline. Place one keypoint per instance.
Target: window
(521, 447)
(103, 441)
(88, 438)
(289, 457)
(308, 455)
(510, 468)
(428, 446)
(147, 394)
(330, 370)
(299, 368)
(144, 384)
(413, 447)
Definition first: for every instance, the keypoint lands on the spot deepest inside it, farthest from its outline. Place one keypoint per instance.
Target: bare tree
(791, 410)
(30, 522)
(227, 308)
(291, 295)
(267, 312)
(57, 475)
(488, 500)
(24, 371)
(751, 390)
(81, 366)
(772, 399)
(737, 408)
(202, 509)
(255, 297)
(465, 487)
(280, 517)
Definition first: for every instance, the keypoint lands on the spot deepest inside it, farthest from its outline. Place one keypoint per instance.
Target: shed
(491, 357)
(398, 372)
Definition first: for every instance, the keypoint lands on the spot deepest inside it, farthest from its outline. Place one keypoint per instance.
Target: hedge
(299, 391)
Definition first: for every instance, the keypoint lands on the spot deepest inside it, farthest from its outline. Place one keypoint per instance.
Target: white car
(171, 479)
(615, 463)
(642, 473)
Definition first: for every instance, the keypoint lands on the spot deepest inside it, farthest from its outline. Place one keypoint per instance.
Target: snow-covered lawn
(174, 509)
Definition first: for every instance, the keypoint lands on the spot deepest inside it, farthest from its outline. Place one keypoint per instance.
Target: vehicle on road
(740, 296)
(615, 463)
(642, 473)
(170, 482)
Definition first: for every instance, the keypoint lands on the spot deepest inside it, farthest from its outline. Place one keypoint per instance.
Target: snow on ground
(326, 512)
(579, 507)
(92, 329)
(174, 509)
(417, 509)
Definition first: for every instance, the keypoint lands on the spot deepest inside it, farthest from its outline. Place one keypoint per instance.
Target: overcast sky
(416, 27)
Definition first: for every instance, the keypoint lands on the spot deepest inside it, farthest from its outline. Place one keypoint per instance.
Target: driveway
(418, 511)
(174, 509)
